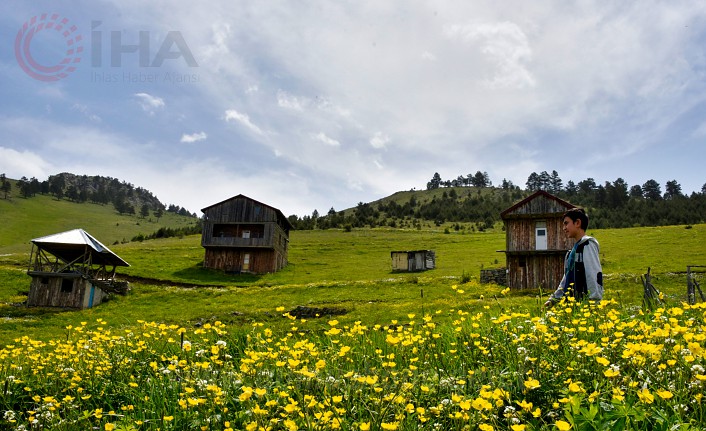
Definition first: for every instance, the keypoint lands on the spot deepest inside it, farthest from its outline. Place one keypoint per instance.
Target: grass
(321, 256)
(336, 255)
(666, 249)
(25, 219)
(575, 367)
(402, 197)
(411, 351)
(342, 270)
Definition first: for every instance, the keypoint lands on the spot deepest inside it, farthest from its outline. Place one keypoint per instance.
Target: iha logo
(56, 26)
(56, 52)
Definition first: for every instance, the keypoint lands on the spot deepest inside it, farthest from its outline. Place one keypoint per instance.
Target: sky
(307, 105)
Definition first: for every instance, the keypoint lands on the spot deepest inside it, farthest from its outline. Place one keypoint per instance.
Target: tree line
(473, 199)
(125, 197)
(167, 232)
(468, 198)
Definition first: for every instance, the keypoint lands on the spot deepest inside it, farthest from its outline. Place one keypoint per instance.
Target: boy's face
(572, 228)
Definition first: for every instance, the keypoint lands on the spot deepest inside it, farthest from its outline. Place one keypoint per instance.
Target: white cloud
(379, 140)
(286, 100)
(149, 103)
(16, 164)
(210, 182)
(221, 33)
(426, 55)
(244, 119)
(59, 141)
(321, 137)
(83, 109)
(194, 137)
(324, 89)
(506, 45)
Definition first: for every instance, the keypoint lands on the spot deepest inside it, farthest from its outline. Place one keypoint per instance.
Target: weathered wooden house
(415, 260)
(241, 234)
(71, 269)
(535, 244)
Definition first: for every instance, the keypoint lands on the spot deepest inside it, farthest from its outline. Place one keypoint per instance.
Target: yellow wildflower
(610, 372)
(664, 394)
(532, 384)
(645, 396)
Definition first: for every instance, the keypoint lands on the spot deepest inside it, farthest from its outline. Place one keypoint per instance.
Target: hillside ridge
(32, 213)
(479, 208)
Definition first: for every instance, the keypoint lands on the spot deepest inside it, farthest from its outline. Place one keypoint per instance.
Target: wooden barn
(416, 260)
(241, 234)
(72, 270)
(535, 244)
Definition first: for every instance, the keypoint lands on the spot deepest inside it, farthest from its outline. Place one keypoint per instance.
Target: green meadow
(25, 219)
(338, 271)
(195, 349)
(338, 341)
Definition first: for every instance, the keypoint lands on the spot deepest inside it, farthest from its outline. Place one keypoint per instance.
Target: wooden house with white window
(72, 269)
(242, 235)
(535, 244)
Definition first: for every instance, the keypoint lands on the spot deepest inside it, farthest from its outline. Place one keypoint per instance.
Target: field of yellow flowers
(577, 366)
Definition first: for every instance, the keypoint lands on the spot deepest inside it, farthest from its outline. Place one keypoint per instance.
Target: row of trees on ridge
(125, 197)
(472, 198)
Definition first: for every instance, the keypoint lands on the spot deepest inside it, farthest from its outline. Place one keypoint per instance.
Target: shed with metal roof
(413, 260)
(72, 269)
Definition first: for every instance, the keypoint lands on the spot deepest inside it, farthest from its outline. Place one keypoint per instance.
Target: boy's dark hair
(578, 214)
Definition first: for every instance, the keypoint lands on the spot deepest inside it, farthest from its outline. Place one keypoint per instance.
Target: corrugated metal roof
(70, 244)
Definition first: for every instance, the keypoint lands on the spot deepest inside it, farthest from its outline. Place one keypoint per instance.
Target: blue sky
(313, 105)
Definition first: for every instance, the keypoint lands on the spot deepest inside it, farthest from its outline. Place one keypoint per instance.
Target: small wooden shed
(241, 234)
(71, 269)
(414, 260)
(535, 244)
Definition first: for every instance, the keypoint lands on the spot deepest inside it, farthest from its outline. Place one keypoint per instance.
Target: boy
(583, 276)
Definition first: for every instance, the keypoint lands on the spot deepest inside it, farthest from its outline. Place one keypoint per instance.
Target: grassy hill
(426, 196)
(25, 219)
(480, 208)
(376, 346)
(430, 339)
(327, 268)
(344, 270)
(337, 256)
(457, 208)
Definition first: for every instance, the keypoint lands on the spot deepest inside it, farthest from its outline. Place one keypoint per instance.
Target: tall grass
(575, 367)
(195, 349)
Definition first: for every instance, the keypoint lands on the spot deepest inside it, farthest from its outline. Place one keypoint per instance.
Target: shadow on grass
(22, 311)
(194, 276)
(200, 275)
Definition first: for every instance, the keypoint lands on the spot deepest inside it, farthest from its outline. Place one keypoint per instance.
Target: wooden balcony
(232, 241)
